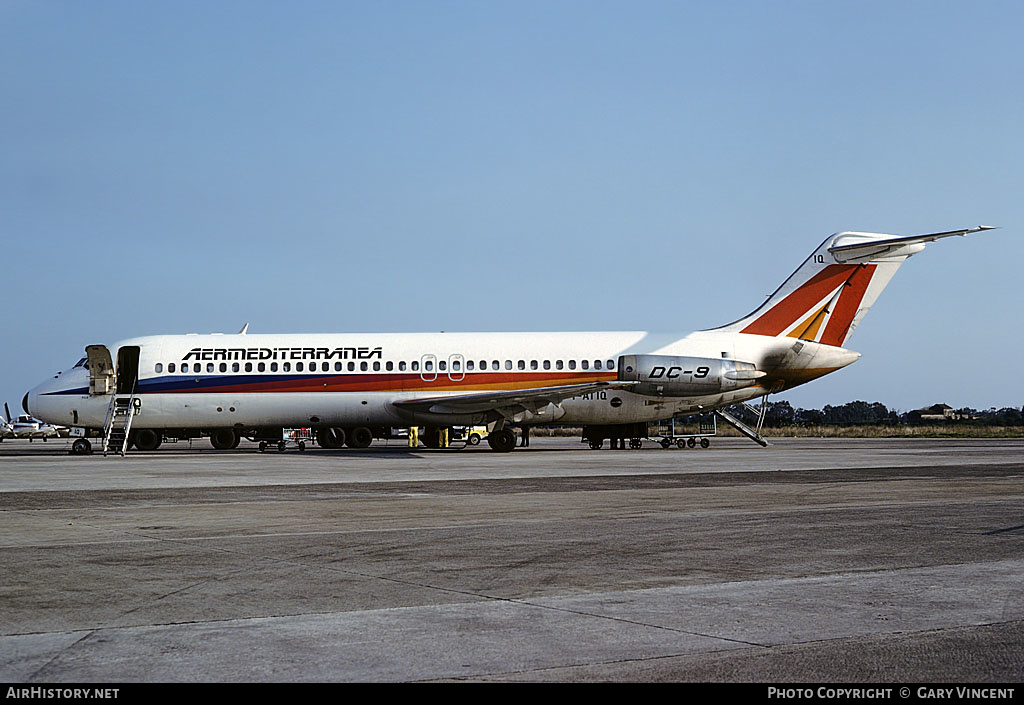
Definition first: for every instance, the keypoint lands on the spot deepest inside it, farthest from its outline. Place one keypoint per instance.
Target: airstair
(118, 423)
(753, 434)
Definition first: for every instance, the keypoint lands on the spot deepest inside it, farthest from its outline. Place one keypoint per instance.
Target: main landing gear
(502, 440)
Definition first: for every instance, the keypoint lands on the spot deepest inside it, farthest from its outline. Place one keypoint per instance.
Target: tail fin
(827, 296)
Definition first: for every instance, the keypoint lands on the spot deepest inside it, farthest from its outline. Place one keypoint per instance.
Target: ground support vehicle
(683, 432)
(297, 437)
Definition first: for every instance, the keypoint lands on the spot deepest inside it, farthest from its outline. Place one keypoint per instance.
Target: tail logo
(820, 310)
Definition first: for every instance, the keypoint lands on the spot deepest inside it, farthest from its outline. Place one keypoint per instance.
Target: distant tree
(809, 417)
(779, 413)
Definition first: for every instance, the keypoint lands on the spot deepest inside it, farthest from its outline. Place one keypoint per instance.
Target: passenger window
(401, 366)
(209, 367)
(234, 367)
(611, 364)
(597, 364)
(558, 364)
(184, 367)
(273, 367)
(584, 364)
(415, 366)
(533, 364)
(223, 367)
(299, 367)
(508, 364)
(389, 366)
(442, 365)
(547, 364)
(469, 365)
(456, 366)
(572, 364)
(248, 367)
(495, 365)
(286, 367)
(376, 366)
(337, 367)
(261, 367)
(170, 367)
(351, 367)
(159, 367)
(362, 366)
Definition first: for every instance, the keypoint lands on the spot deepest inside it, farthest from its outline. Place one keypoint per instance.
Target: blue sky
(417, 166)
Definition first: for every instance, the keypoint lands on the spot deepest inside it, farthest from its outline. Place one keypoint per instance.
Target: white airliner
(350, 386)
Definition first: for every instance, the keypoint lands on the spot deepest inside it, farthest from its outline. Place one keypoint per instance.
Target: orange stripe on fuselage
(785, 313)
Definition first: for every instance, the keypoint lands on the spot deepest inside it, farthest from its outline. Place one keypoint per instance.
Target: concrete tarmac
(814, 560)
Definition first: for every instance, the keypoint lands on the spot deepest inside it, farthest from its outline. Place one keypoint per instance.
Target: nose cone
(24, 403)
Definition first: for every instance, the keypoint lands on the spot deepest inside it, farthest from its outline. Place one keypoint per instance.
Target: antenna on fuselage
(244, 329)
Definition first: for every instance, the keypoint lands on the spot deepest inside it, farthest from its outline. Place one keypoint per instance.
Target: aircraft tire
(224, 439)
(359, 437)
(502, 441)
(148, 439)
(331, 438)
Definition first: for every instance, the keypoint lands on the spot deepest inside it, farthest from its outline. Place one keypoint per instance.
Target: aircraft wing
(845, 252)
(505, 403)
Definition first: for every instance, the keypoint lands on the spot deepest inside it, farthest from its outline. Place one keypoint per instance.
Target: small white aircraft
(350, 386)
(27, 427)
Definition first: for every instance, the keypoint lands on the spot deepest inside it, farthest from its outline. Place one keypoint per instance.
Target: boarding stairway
(118, 423)
(753, 434)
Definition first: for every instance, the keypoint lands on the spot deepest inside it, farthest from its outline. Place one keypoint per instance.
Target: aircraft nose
(24, 404)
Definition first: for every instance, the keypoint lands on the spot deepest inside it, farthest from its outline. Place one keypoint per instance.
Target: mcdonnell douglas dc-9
(349, 387)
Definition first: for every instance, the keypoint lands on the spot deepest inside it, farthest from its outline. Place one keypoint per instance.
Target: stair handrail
(129, 415)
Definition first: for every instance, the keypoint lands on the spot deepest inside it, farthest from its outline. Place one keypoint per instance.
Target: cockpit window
(81, 363)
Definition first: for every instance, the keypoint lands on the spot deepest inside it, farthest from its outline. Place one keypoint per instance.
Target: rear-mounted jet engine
(672, 376)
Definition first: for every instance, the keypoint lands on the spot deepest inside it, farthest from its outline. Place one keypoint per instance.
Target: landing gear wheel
(360, 437)
(331, 438)
(81, 447)
(704, 442)
(224, 439)
(148, 439)
(502, 441)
